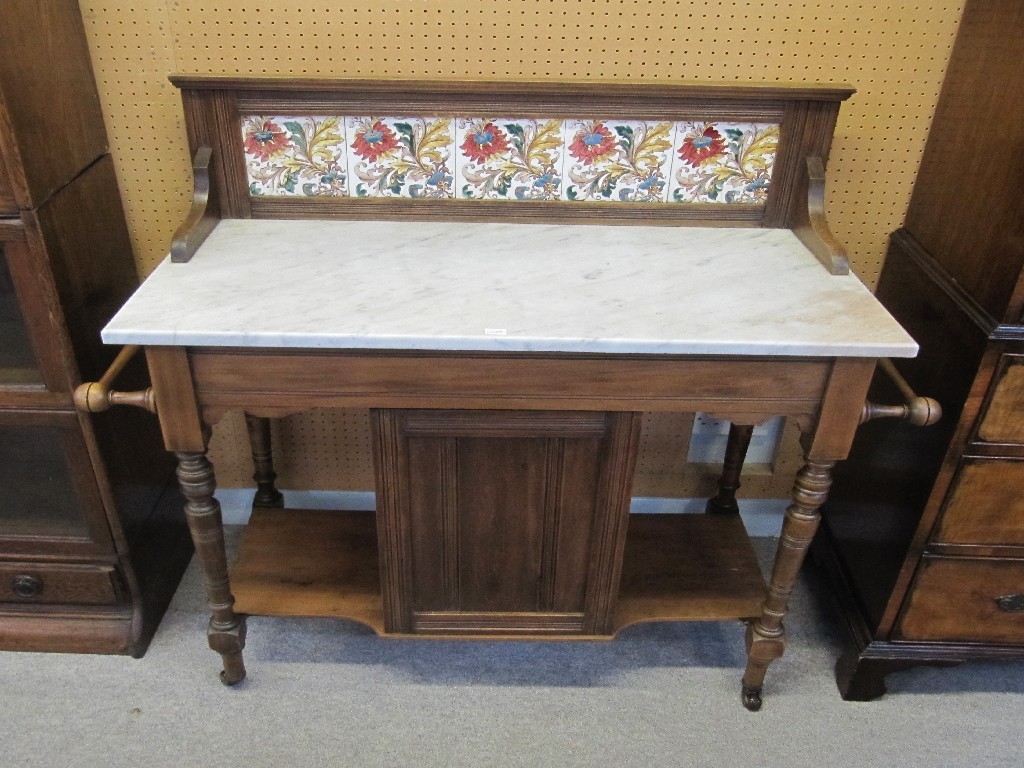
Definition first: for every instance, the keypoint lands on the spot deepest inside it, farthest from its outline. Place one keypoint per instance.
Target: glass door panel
(37, 474)
(18, 363)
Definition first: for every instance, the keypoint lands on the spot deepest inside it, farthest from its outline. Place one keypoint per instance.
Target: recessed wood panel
(502, 522)
(1003, 420)
(966, 600)
(985, 505)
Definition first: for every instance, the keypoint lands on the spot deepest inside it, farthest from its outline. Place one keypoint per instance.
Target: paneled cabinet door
(50, 501)
(502, 522)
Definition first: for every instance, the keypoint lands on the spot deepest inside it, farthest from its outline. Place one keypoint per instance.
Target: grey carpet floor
(330, 693)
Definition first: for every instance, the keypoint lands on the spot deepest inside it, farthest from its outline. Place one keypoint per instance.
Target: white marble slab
(521, 287)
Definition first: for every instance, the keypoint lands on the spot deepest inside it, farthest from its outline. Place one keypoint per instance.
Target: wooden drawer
(29, 583)
(985, 504)
(959, 599)
(1003, 419)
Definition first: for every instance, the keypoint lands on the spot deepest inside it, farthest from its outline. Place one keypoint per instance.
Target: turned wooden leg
(267, 494)
(226, 632)
(766, 639)
(729, 482)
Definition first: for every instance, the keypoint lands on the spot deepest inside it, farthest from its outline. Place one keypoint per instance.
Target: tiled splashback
(511, 159)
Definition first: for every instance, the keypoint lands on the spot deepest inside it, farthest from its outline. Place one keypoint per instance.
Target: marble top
(326, 284)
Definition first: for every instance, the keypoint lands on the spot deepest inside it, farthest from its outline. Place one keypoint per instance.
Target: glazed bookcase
(81, 568)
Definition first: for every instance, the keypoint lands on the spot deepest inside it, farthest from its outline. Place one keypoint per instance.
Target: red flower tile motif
(374, 141)
(634, 169)
(592, 142)
(723, 162)
(295, 155)
(700, 148)
(608, 160)
(483, 142)
(401, 157)
(265, 139)
(506, 159)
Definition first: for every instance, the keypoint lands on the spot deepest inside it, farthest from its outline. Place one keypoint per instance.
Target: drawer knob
(27, 586)
(1011, 603)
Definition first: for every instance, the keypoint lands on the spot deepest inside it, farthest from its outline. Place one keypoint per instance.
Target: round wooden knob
(924, 411)
(92, 397)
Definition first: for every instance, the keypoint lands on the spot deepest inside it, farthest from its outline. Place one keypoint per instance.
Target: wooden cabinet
(924, 533)
(503, 522)
(92, 543)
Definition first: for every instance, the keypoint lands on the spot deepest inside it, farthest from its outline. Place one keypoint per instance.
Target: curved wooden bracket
(97, 396)
(814, 231)
(200, 220)
(916, 410)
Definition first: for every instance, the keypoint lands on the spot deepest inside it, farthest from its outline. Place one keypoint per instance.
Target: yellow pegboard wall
(894, 53)
(319, 449)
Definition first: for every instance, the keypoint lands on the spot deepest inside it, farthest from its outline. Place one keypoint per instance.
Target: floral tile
(617, 160)
(287, 156)
(400, 157)
(722, 162)
(508, 158)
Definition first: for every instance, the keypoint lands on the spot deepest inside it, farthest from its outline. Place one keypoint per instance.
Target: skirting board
(762, 517)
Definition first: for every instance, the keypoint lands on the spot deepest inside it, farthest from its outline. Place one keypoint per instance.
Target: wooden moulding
(519, 212)
(84, 629)
(325, 564)
(402, 88)
(214, 106)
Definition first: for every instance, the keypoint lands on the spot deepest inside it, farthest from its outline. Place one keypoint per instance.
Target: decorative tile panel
(723, 162)
(593, 160)
(615, 160)
(287, 156)
(400, 157)
(509, 158)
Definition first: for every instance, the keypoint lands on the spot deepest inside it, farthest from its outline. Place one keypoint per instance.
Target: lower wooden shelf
(688, 567)
(301, 562)
(294, 562)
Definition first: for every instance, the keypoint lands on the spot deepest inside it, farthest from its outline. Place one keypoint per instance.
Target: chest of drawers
(929, 562)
